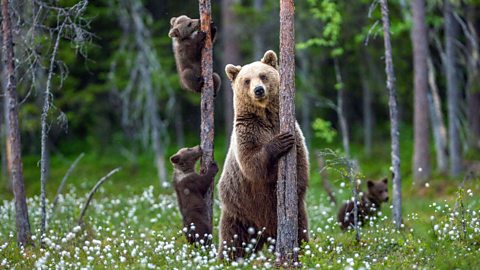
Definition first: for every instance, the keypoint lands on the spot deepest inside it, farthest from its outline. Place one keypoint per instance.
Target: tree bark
(14, 153)
(438, 124)
(453, 91)
(473, 75)
(421, 156)
(231, 55)
(287, 199)
(207, 105)
(342, 119)
(394, 132)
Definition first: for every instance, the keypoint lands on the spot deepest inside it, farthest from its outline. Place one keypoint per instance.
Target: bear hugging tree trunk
(247, 186)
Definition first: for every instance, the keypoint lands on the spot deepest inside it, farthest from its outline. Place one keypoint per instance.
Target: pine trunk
(14, 152)
(287, 199)
(421, 156)
(207, 105)
(394, 132)
(453, 91)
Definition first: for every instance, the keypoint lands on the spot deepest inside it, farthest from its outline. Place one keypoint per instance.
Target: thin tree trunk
(453, 91)
(438, 124)
(231, 54)
(473, 74)
(394, 132)
(367, 114)
(14, 152)
(207, 102)
(341, 109)
(258, 36)
(3, 121)
(421, 156)
(179, 127)
(287, 199)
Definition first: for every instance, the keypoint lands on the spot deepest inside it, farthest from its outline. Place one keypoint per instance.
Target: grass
(132, 223)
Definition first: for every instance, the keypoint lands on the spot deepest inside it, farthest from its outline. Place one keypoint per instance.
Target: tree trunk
(341, 110)
(3, 121)
(394, 132)
(473, 75)
(179, 127)
(421, 156)
(258, 36)
(207, 105)
(287, 199)
(438, 124)
(231, 54)
(14, 152)
(453, 91)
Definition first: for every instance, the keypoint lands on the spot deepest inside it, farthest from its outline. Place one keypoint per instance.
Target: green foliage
(323, 130)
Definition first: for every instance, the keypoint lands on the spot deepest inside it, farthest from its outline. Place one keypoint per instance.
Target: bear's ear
(270, 58)
(370, 184)
(175, 159)
(232, 71)
(385, 180)
(172, 21)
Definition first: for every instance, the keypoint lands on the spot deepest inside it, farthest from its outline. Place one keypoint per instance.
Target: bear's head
(183, 27)
(184, 160)
(378, 190)
(255, 84)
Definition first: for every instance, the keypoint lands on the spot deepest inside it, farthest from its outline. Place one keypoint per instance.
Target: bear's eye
(247, 82)
(263, 77)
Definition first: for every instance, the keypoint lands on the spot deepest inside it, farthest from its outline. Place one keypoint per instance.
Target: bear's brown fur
(368, 205)
(188, 42)
(247, 186)
(191, 188)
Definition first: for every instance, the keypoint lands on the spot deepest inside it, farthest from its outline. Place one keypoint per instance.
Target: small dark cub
(188, 42)
(191, 188)
(368, 205)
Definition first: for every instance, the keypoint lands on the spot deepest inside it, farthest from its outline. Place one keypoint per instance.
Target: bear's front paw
(213, 169)
(282, 143)
(201, 36)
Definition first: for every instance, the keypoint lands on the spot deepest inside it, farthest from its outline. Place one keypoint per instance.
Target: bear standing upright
(247, 186)
(188, 42)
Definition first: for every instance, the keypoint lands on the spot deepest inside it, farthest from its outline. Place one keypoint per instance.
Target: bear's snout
(259, 91)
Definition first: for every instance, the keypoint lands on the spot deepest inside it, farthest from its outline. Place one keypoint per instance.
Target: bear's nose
(259, 91)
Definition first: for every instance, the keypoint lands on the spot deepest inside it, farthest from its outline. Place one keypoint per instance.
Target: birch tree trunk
(231, 54)
(421, 156)
(206, 105)
(453, 91)
(14, 153)
(341, 109)
(394, 132)
(367, 113)
(473, 74)
(287, 199)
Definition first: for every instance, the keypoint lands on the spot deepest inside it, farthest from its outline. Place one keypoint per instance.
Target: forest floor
(134, 224)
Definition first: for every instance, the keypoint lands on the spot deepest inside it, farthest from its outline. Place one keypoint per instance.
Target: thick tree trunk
(421, 156)
(207, 106)
(287, 199)
(342, 118)
(453, 91)
(14, 151)
(394, 132)
(231, 55)
(258, 36)
(438, 124)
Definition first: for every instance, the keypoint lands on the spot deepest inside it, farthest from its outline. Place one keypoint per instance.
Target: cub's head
(182, 27)
(378, 190)
(256, 83)
(185, 159)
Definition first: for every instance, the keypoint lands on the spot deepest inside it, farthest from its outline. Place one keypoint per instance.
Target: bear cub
(188, 42)
(191, 188)
(368, 204)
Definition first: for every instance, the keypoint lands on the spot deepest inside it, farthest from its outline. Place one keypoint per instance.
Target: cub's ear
(232, 71)
(175, 159)
(370, 184)
(270, 58)
(172, 21)
(385, 180)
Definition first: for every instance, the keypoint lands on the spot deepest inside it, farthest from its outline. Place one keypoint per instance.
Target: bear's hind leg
(233, 238)
(191, 81)
(302, 224)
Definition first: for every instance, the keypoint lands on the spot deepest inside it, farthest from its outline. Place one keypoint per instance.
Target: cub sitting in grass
(191, 188)
(368, 205)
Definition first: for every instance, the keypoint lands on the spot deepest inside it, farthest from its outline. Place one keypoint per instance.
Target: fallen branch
(324, 175)
(92, 192)
(65, 177)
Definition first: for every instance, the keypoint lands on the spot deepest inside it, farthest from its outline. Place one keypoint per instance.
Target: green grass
(132, 223)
